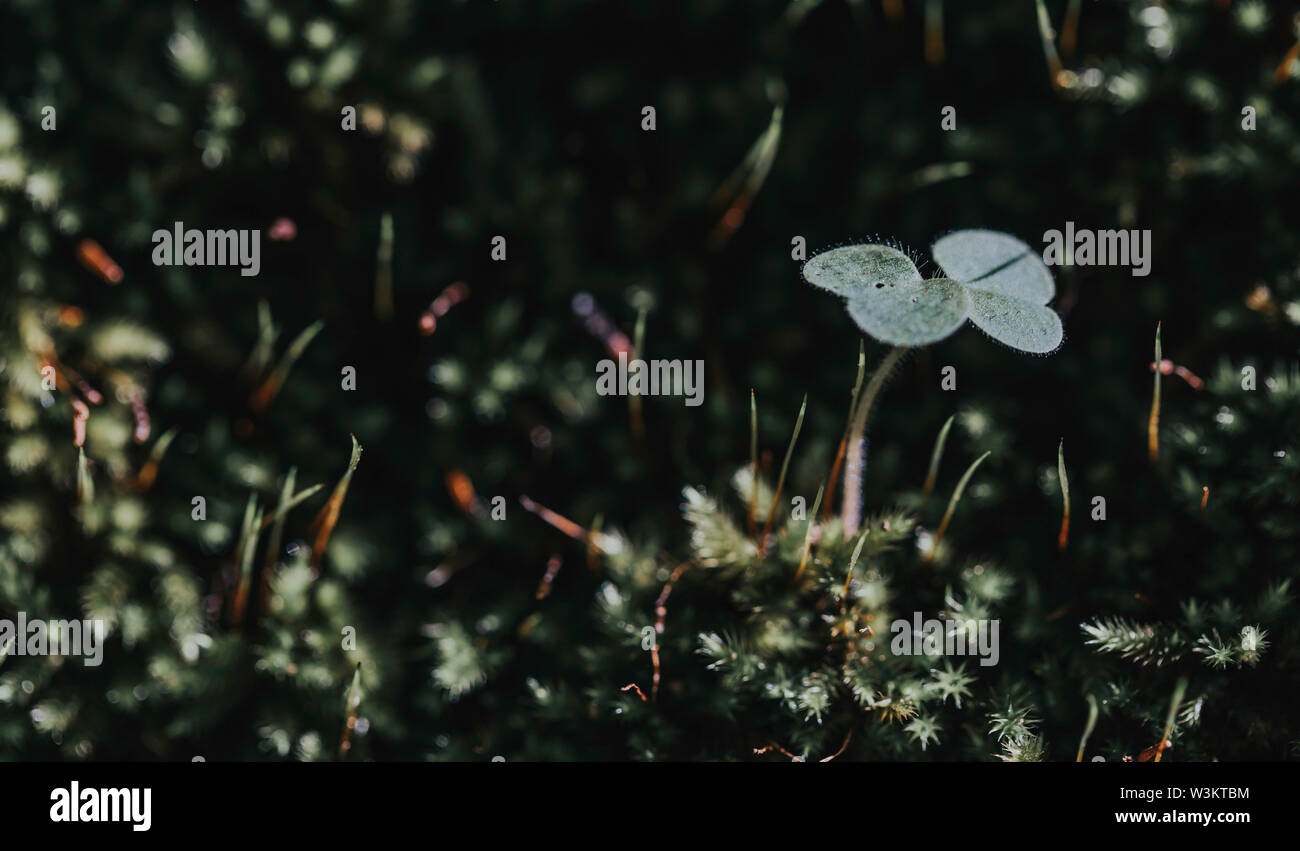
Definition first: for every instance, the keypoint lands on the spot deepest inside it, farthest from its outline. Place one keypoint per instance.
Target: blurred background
(773, 120)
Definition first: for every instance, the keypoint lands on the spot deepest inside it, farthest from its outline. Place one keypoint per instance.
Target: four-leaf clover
(993, 279)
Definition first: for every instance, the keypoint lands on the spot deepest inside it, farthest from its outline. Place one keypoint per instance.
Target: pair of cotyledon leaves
(993, 279)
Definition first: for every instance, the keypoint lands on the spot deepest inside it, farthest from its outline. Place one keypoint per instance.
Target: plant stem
(855, 464)
(1153, 422)
(1087, 730)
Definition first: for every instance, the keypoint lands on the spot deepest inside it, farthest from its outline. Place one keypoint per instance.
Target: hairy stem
(855, 460)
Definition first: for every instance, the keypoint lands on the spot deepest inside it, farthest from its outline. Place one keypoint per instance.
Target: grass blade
(145, 478)
(780, 482)
(288, 503)
(1049, 49)
(807, 535)
(350, 704)
(952, 505)
(1179, 690)
(260, 357)
(249, 532)
(936, 455)
(743, 184)
(1087, 728)
(848, 425)
(323, 525)
(276, 520)
(853, 562)
(270, 388)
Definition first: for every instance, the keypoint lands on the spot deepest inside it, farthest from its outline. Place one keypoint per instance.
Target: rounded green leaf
(852, 269)
(1016, 322)
(995, 261)
(910, 313)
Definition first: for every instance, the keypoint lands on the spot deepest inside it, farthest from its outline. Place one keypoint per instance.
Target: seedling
(993, 279)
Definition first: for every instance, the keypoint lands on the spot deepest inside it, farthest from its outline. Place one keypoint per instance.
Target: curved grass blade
(1087, 728)
(936, 455)
(288, 502)
(323, 525)
(848, 426)
(270, 388)
(277, 528)
(853, 562)
(952, 504)
(260, 357)
(1180, 689)
(249, 532)
(741, 187)
(145, 478)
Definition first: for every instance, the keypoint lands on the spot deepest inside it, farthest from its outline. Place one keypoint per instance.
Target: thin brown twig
(661, 613)
(1153, 422)
(553, 565)
(843, 747)
(775, 747)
